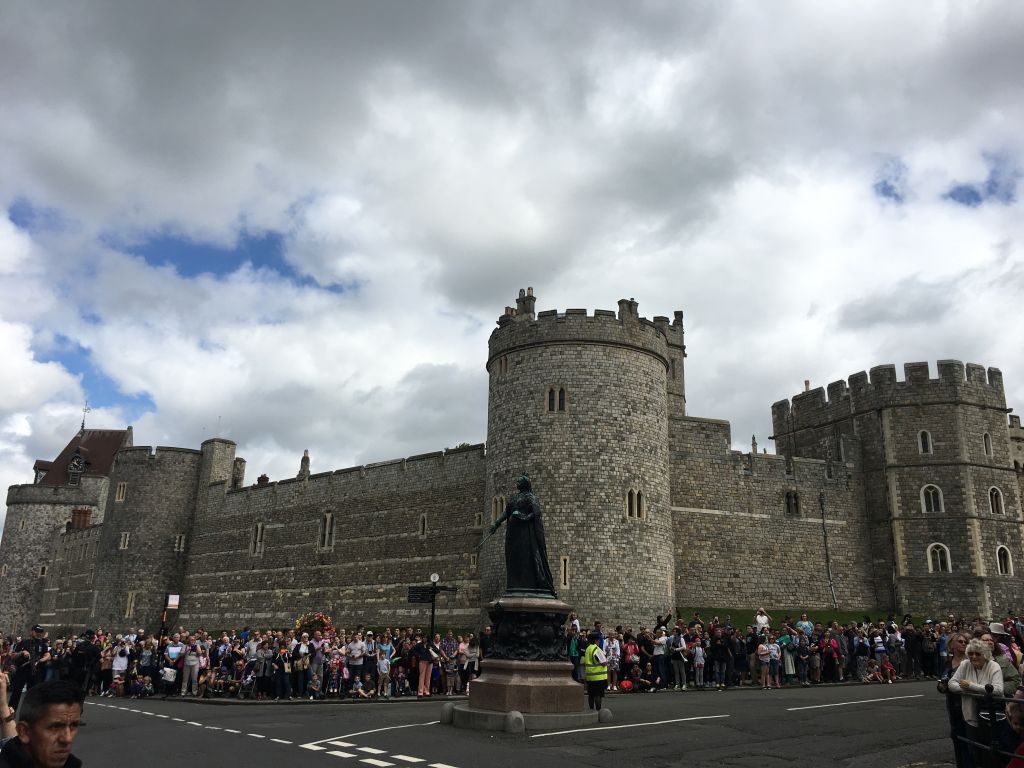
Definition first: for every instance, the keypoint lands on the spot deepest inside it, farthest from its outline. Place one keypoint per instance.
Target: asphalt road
(856, 726)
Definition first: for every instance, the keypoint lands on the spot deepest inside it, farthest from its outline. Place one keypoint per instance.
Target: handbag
(302, 664)
(169, 674)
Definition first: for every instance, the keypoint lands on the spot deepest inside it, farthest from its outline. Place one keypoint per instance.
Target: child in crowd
(384, 675)
(147, 687)
(402, 683)
(635, 675)
(314, 688)
(613, 650)
(888, 670)
(451, 676)
(698, 665)
(873, 673)
(334, 674)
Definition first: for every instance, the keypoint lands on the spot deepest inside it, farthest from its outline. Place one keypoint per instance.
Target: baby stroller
(247, 686)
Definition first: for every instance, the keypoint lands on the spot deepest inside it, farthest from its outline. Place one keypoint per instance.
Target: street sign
(422, 594)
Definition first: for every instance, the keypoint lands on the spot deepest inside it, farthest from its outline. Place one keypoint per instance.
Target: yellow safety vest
(593, 670)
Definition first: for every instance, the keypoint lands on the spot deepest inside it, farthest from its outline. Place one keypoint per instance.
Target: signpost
(422, 594)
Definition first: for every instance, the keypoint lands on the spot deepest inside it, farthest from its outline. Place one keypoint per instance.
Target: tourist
(971, 677)
(48, 722)
(282, 663)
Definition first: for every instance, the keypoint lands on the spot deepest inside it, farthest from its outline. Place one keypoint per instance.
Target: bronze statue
(526, 554)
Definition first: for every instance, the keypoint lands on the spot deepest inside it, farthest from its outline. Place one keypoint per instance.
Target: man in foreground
(47, 725)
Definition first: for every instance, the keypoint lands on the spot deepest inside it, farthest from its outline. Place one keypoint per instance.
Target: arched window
(555, 399)
(792, 503)
(938, 559)
(641, 510)
(1003, 563)
(995, 500)
(423, 525)
(987, 440)
(631, 503)
(931, 499)
(924, 441)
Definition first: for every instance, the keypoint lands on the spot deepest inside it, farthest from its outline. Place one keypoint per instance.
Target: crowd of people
(971, 658)
(718, 654)
(251, 663)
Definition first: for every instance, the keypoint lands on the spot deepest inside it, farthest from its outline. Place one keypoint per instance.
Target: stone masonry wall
(68, 593)
(361, 576)
(736, 545)
(159, 501)
(583, 461)
(35, 515)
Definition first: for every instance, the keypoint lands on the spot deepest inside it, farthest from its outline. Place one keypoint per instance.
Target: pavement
(854, 726)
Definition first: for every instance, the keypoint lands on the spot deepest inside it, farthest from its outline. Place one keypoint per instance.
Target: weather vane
(85, 409)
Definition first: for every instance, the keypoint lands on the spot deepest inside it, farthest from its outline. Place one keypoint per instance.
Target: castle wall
(376, 554)
(738, 546)
(68, 590)
(158, 505)
(957, 410)
(583, 461)
(35, 514)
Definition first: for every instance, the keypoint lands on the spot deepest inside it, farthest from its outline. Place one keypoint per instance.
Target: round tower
(581, 403)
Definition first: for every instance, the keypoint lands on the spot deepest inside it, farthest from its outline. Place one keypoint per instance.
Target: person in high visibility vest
(595, 669)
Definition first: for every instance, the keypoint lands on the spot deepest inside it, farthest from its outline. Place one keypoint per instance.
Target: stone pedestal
(525, 680)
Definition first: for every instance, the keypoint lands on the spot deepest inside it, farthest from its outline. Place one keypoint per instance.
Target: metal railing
(994, 740)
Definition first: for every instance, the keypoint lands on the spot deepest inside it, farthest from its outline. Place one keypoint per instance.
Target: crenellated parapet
(956, 384)
(521, 328)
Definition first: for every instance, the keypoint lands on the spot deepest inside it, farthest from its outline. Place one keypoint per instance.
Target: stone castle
(883, 494)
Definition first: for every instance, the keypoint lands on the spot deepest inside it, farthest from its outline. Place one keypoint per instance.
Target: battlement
(956, 383)
(520, 327)
(89, 487)
(154, 455)
(450, 459)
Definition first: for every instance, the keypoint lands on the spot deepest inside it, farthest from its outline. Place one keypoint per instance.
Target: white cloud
(425, 161)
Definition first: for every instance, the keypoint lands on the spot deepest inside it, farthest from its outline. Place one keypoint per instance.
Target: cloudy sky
(294, 224)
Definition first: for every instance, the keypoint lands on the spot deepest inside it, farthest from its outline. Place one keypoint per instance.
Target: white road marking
(256, 735)
(378, 763)
(612, 727)
(134, 710)
(372, 750)
(231, 730)
(441, 765)
(340, 744)
(190, 722)
(213, 728)
(408, 759)
(282, 741)
(149, 713)
(329, 739)
(178, 719)
(165, 717)
(339, 753)
(847, 703)
(314, 747)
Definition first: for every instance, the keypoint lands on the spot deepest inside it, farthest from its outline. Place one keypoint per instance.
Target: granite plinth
(529, 687)
(466, 716)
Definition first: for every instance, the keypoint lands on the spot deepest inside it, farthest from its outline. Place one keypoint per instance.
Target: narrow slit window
(257, 543)
(561, 399)
(122, 491)
(564, 575)
(551, 399)
(987, 441)
(924, 442)
(326, 531)
(423, 526)
(640, 511)
(631, 503)
(125, 540)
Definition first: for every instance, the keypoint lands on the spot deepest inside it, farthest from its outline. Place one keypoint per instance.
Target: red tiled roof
(96, 446)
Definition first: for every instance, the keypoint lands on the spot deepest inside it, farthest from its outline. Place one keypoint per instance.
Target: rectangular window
(565, 572)
(73, 478)
(125, 538)
(257, 542)
(472, 562)
(129, 607)
(122, 489)
(179, 542)
(3, 569)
